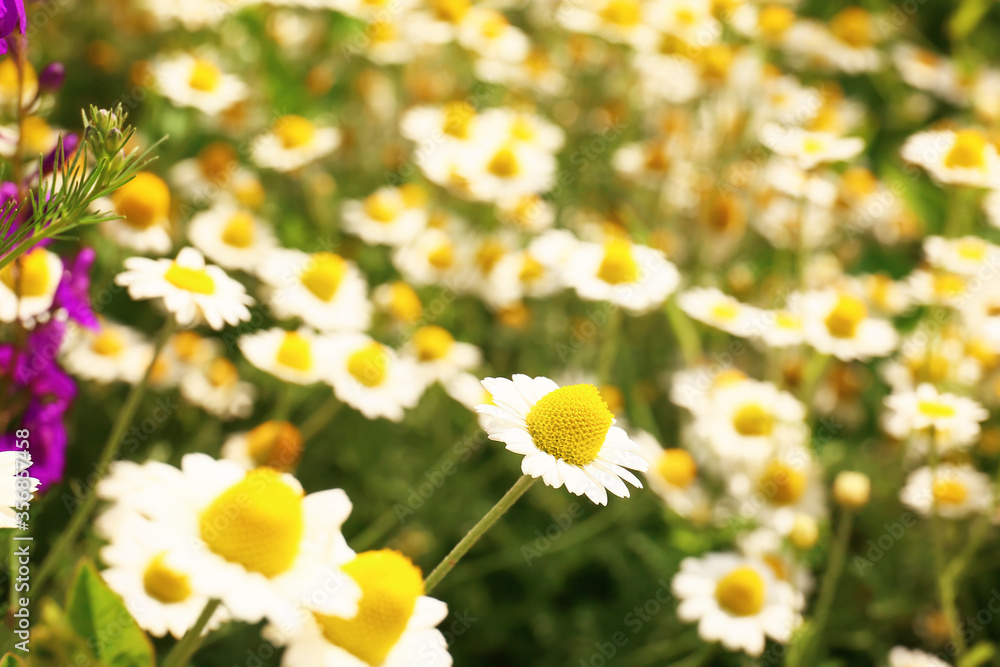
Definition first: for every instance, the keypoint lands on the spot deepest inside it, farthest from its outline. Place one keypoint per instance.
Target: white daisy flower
(528, 213)
(736, 601)
(491, 169)
(275, 444)
(186, 350)
(522, 274)
(673, 475)
(191, 14)
(400, 301)
(232, 237)
(39, 138)
(904, 657)
(327, 291)
(965, 256)
(293, 143)
(390, 216)
(635, 277)
(713, 307)
(521, 127)
(838, 323)
(957, 491)
(770, 547)
(143, 205)
(954, 419)
(621, 21)
(395, 625)
(847, 42)
(780, 328)
(776, 492)
(218, 390)
(430, 259)
(198, 81)
(566, 435)
(190, 289)
(300, 357)
(16, 487)
(810, 149)
(966, 157)
(215, 171)
(487, 33)
(371, 378)
(115, 352)
(929, 71)
(438, 355)
(28, 284)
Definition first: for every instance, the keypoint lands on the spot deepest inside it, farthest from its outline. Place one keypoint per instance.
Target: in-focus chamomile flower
(152, 572)
(275, 444)
(953, 419)
(963, 157)
(219, 390)
(566, 435)
(198, 81)
(713, 307)
(143, 205)
(953, 491)
(390, 216)
(232, 236)
(327, 291)
(371, 377)
(735, 600)
(673, 475)
(299, 356)
(810, 149)
(395, 625)
(190, 289)
(114, 352)
(438, 355)
(28, 284)
(904, 657)
(839, 323)
(16, 487)
(635, 277)
(292, 143)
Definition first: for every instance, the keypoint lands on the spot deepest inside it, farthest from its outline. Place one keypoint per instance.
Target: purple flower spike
(69, 144)
(73, 293)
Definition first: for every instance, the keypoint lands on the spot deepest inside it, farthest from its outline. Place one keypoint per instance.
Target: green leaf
(967, 17)
(979, 654)
(11, 660)
(98, 615)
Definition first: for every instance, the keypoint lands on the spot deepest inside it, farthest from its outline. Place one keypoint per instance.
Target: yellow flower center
(187, 344)
(450, 11)
(205, 76)
(949, 491)
(936, 409)
(523, 129)
(239, 232)
(323, 274)
(774, 20)
(725, 311)
(383, 31)
(488, 254)
(28, 276)
(968, 151)
(777, 565)
(504, 164)
(853, 26)
(294, 131)
(390, 585)
(404, 303)
(432, 343)
(217, 161)
(753, 420)
(191, 280)
(382, 207)
(618, 265)
(275, 444)
(843, 320)
(812, 145)
(741, 592)
(458, 119)
(531, 269)
(786, 320)
(36, 135)
(222, 373)
(413, 195)
(677, 467)
(369, 365)
(622, 13)
(295, 351)
(971, 248)
(494, 25)
(570, 423)
(256, 523)
(108, 343)
(782, 484)
(948, 285)
(142, 202)
(164, 584)
(442, 256)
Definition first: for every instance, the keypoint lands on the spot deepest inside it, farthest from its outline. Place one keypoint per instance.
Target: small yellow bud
(852, 489)
(805, 532)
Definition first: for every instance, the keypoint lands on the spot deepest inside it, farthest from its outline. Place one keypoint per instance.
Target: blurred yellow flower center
(726, 311)
(323, 274)
(786, 320)
(968, 151)
(187, 344)
(523, 129)
(222, 373)
(108, 343)
(936, 409)
(777, 565)
(383, 31)
(9, 78)
(570, 423)
(256, 523)
(618, 265)
(404, 303)
(294, 131)
(948, 491)
(205, 76)
(191, 280)
(489, 253)
(37, 136)
(531, 269)
(948, 285)
(774, 20)
(752, 420)
(217, 160)
(450, 11)
(853, 26)
(442, 256)
(164, 584)
(504, 164)
(295, 351)
(390, 585)
(741, 592)
(432, 343)
(812, 145)
(239, 231)
(494, 25)
(843, 320)
(677, 467)
(413, 195)
(369, 365)
(972, 249)
(458, 119)
(382, 207)
(142, 202)
(275, 444)
(622, 13)
(29, 275)
(782, 484)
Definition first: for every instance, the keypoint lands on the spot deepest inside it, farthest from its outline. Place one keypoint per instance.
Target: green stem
(318, 420)
(466, 543)
(811, 376)
(835, 565)
(684, 330)
(375, 531)
(182, 651)
(945, 581)
(114, 441)
(606, 360)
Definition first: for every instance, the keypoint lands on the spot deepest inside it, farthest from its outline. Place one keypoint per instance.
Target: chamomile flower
(28, 284)
(327, 291)
(711, 306)
(143, 205)
(953, 420)
(16, 487)
(299, 356)
(275, 444)
(964, 256)
(528, 213)
(622, 21)
(292, 143)
(487, 33)
(780, 328)
(152, 572)
(635, 277)
(847, 43)
(197, 81)
(113, 353)
(929, 71)
(438, 355)
(953, 491)
(400, 301)
(904, 657)
(810, 149)
(219, 390)
(38, 138)
(215, 170)
(371, 378)
(190, 289)
(964, 157)
(493, 170)
(390, 216)
(191, 14)
(395, 625)
(186, 350)
(735, 600)
(838, 323)
(231, 236)
(566, 435)
(774, 493)
(522, 274)
(430, 259)
(673, 475)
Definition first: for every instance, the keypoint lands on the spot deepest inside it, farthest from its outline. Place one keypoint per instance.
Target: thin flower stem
(182, 651)
(811, 376)
(945, 580)
(609, 349)
(828, 588)
(684, 330)
(114, 441)
(318, 420)
(466, 543)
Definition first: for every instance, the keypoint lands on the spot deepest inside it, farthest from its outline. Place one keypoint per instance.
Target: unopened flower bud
(51, 78)
(275, 444)
(804, 533)
(852, 489)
